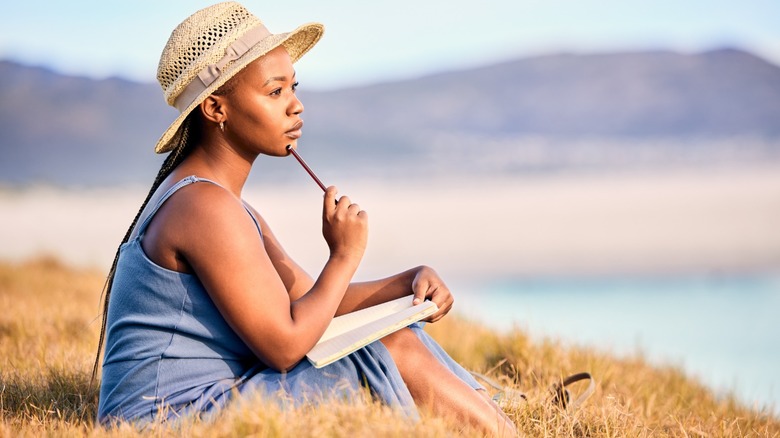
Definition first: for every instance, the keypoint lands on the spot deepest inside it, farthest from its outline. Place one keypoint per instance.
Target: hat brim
(297, 43)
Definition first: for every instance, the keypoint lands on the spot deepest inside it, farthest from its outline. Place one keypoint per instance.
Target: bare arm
(421, 280)
(360, 295)
(243, 282)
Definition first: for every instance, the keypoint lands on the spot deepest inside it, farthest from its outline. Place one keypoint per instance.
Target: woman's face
(263, 112)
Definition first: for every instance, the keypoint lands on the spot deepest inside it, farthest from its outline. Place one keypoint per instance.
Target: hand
(344, 225)
(428, 284)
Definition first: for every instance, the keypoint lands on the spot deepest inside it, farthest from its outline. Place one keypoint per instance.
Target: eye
(294, 86)
(276, 92)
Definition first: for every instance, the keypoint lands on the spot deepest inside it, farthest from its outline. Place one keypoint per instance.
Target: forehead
(273, 64)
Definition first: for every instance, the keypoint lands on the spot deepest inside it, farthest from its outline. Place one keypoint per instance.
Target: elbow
(284, 361)
(282, 350)
(284, 366)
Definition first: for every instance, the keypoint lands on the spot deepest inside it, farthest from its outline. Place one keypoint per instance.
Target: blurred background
(603, 172)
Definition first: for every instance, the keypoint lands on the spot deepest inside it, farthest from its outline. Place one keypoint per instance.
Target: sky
(384, 40)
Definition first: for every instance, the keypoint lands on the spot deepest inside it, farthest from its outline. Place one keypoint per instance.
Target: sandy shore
(618, 223)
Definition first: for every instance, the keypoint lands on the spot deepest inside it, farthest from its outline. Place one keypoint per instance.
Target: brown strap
(562, 397)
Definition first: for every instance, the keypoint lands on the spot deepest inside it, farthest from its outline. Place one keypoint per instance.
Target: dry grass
(48, 332)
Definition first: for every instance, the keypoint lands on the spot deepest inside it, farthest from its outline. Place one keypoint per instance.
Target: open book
(350, 332)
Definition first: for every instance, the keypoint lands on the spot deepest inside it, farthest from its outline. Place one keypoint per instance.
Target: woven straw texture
(201, 40)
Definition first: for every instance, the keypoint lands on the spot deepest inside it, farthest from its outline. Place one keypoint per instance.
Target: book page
(349, 321)
(357, 331)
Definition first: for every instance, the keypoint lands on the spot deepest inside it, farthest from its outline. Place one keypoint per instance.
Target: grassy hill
(49, 328)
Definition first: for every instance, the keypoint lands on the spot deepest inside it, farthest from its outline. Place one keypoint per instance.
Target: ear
(214, 109)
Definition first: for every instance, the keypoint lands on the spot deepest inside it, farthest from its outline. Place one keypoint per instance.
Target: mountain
(537, 113)
(723, 92)
(67, 129)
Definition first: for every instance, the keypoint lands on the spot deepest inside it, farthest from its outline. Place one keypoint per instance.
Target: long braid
(177, 155)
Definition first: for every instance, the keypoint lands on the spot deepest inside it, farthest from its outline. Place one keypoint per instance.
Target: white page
(372, 324)
(349, 321)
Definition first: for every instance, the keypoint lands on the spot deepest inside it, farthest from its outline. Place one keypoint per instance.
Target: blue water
(723, 330)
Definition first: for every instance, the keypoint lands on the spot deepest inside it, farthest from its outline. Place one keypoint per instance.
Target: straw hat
(210, 47)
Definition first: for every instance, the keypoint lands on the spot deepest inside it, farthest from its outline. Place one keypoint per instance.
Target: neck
(213, 158)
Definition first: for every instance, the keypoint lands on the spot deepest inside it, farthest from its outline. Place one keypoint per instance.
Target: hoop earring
(222, 126)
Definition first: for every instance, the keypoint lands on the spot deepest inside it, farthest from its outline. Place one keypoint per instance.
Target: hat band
(208, 75)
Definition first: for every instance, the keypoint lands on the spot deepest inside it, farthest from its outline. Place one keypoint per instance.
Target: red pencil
(306, 167)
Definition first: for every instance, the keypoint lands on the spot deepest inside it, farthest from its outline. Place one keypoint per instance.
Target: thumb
(329, 203)
(420, 289)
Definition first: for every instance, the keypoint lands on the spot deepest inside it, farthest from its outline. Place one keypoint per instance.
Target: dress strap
(254, 219)
(182, 183)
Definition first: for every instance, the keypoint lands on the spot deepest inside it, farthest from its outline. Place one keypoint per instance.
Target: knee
(400, 340)
(406, 348)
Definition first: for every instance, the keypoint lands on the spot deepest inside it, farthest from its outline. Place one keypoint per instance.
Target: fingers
(344, 201)
(443, 298)
(344, 225)
(331, 202)
(427, 284)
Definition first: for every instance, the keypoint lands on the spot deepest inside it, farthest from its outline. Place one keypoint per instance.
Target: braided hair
(189, 136)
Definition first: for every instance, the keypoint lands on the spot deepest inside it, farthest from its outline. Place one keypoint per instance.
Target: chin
(291, 143)
(280, 151)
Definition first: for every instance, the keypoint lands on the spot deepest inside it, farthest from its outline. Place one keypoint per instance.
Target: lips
(295, 131)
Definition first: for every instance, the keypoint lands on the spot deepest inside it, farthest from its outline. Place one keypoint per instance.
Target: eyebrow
(278, 78)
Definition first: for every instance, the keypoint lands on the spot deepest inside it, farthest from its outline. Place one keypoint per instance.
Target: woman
(203, 303)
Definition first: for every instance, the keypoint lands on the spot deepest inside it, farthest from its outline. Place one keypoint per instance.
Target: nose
(296, 107)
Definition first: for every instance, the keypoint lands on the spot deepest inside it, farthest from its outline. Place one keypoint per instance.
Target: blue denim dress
(169, 352)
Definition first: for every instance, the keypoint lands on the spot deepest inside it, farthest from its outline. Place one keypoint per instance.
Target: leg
(433, 386)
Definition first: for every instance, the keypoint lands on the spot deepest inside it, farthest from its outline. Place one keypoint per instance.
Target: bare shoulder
(206, 211)
(196, 224)
(205, 198)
